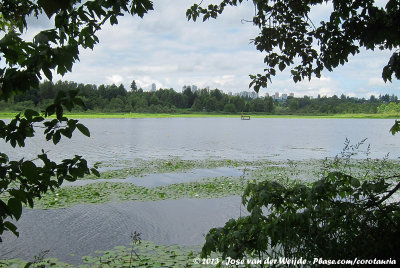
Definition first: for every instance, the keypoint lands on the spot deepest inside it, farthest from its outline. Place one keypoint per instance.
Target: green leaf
(79, 102)
(38, 119)
(19, 194)
(395, 128)
(11, 227)
(29, 170)
(4, 208)
(29, 113)
(84, 130)
(59, 111)
(113, 20)
(56, 137)
(355, 182)
(28, 264)
(13, 143)
(15, 206)
(66, 132)
(3, 158)
(281, 66)
(30, 202)
(76, 172)
(50, 110)
(50, 7)
(95, 172)
(47, 73)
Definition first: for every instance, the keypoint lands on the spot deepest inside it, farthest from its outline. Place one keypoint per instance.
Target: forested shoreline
(117, 99)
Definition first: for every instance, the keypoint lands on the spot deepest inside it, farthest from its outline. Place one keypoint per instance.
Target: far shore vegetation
(112, 101)
(90, 114)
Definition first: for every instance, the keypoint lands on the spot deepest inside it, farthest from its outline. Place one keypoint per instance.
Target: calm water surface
(83, 229)
(231, 138)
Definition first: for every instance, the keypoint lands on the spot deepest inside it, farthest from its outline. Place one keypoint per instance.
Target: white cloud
(369, 94)
(376, 81)
(166, 49)
(115, 79)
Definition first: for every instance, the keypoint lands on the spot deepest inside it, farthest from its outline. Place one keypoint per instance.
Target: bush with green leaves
(339, 216)
(24, 63)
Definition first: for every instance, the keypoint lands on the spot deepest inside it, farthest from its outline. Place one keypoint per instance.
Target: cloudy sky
(166, 49)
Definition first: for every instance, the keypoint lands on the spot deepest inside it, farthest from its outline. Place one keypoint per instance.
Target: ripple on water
(83, 229)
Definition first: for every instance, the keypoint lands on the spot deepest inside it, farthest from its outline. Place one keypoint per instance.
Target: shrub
(338, 216)
(230, 108)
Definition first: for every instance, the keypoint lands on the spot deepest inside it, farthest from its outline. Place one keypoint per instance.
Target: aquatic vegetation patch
(147, 254)
(112, 191)
(304, 171)
(48, 262)
(300, 171)
(143, 254)
(308, 171)
(140, 167)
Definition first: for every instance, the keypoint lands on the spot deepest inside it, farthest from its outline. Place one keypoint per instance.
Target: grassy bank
(9, 115)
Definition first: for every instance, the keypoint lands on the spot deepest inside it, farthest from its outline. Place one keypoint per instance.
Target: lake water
(82, 229)
(231, 138)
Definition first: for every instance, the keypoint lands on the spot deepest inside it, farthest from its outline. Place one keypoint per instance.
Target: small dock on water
(245, 117)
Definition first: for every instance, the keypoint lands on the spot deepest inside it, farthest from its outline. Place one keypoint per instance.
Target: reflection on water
(83, 229)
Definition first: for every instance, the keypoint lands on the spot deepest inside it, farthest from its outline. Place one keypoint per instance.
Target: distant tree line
(113, 98)
(390, 108)
(334, 105)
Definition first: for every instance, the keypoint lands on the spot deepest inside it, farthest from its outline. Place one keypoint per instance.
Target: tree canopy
(24, 62)
(76, 23)
(291, 40)
(113, 98)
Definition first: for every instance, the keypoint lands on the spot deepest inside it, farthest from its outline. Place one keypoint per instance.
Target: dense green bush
(230, 108)
(346, 214)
